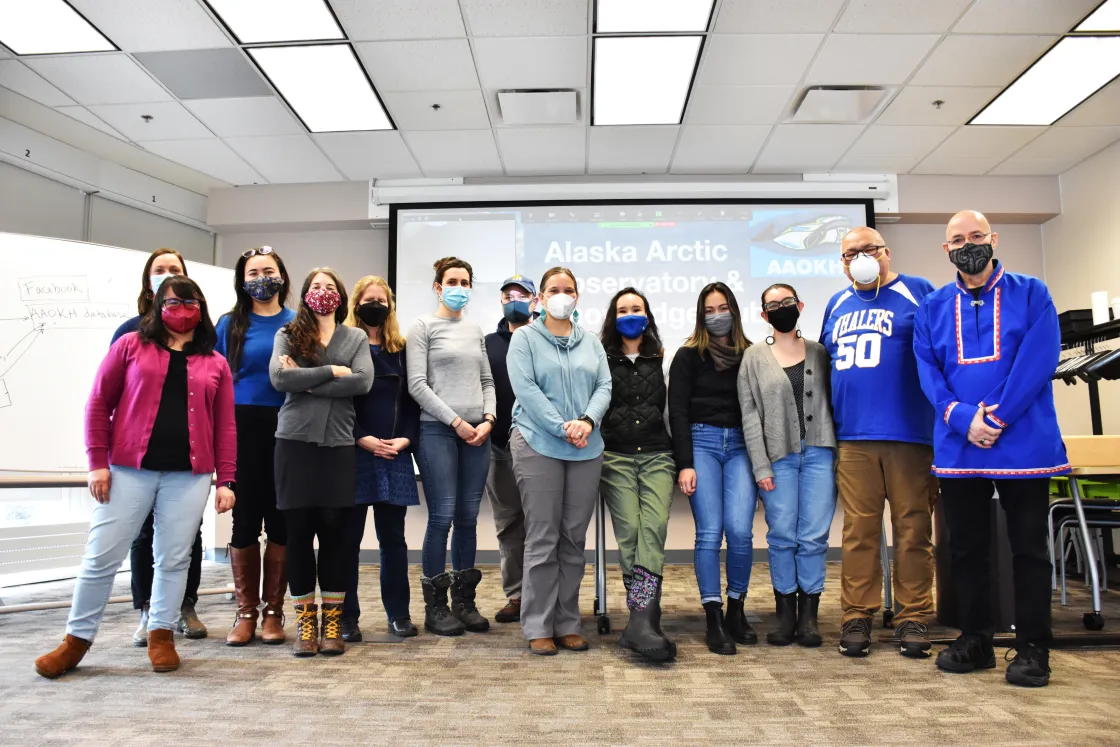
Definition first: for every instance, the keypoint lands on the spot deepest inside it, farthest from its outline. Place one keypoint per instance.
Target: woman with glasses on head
(711, 457)
(321, 365)
(787, 419)
(159, 422)
(245, 337)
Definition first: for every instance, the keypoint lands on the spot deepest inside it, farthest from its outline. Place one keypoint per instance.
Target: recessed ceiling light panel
(651, 16)
(642, 80)
(263, 21)
(1105, 18)
(48, 27)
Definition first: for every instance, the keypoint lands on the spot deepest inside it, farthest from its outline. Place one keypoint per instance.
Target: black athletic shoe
(855, 637)
(1030, 667)
(912, 638)
(967, 653)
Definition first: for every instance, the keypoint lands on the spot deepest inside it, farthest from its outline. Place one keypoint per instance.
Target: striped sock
(332, 597)
(302, 599)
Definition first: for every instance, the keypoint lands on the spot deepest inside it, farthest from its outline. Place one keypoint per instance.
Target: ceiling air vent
(839, 104)
(538, 107)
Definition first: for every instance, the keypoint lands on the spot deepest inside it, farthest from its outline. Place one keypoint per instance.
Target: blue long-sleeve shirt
(251, 385)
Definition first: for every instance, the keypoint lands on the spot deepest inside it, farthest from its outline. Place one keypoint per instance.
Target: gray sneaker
(912, 638)
(189, 624)
(140, 637)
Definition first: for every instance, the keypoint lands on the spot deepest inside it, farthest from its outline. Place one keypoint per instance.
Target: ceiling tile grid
(366, 20)
(154, 25)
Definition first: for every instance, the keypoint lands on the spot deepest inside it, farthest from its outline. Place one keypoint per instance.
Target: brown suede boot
(275, 584)
(161, 650)
(62, 659)
(332, 643)
(307, 630)
(246, 564)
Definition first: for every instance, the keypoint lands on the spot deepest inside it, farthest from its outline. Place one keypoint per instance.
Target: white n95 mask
(864, 269)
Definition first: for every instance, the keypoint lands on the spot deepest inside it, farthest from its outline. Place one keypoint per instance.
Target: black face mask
(784, 319)
(373, 314)
(971, 259)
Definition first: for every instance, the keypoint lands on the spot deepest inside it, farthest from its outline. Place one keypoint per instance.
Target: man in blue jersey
(885, 435)
(987, 346)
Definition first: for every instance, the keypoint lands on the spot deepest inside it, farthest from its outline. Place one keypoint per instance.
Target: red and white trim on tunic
(949, 411)
(995, 279)
(996, 420)
(961, 360)
(999, 472)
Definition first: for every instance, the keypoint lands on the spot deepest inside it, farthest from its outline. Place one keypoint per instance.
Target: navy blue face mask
(516, 311)
(631, 326)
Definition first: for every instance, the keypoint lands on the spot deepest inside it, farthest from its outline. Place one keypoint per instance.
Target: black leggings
(256, 486)
(329, 525)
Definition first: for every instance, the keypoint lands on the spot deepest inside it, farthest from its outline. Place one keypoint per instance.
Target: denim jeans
(178, 500)
(799, 513)
(723, 505)
(454, 476)
(388, 521)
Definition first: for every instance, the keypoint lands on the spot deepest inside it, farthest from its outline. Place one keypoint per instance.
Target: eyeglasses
(785, 303)
(174, 303)
(262, 250)
(871, 250)
(973, 238)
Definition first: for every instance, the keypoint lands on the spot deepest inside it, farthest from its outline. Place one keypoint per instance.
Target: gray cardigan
(319, 408)
(770, 425)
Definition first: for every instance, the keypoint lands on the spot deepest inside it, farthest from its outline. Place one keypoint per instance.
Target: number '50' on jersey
(876, 395)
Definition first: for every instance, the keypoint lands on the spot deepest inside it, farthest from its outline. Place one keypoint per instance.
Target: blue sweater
(251, 385)
(998, 349)
(128, 325)
(388, 410)
(555, 381)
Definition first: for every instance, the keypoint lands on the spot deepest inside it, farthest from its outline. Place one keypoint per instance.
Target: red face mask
(181, 320)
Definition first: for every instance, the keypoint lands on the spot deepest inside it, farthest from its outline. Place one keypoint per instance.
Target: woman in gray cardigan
(787, 422)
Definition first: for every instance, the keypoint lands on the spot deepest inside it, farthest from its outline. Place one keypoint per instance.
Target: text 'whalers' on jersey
(876, 395)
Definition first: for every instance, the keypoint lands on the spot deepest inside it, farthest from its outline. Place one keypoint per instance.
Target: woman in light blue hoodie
(562, 382)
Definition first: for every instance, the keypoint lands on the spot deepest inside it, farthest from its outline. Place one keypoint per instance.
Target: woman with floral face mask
(245, 338)
(449, 377)
(321, 366)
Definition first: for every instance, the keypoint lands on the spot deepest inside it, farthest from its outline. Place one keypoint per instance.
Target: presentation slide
(668, 251)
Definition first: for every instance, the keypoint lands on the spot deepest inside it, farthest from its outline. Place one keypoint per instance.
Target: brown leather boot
(307, 630)
(542, 647)
(62, 659)
(246, 564)
(275, 584)
(161, 650)
(332, 643)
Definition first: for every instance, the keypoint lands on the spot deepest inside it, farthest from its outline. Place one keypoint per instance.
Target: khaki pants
(509, 518)
(869, 474)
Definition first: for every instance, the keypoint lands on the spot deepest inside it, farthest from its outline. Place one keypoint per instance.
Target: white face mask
(560, 306)
(864, 269)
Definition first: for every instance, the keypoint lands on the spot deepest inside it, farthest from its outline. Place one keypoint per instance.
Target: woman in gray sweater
(787, 423)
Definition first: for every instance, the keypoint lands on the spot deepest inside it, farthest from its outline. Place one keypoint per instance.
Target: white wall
(916, 249)
(352, 253)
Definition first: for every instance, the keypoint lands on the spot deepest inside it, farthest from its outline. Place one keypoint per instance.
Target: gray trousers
(559, 498)
(509, 519)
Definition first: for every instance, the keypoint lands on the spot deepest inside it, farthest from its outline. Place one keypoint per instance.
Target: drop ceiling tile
(154, 24)
(206, 74)
(776, 16)
(285, 159)
(631, 150)
(369, 155)
(936, 163)
(1102, 108)
(1023, 16)
(463, 153)
(899, 16)
(85, 116)
(718, 149)
(967, 60)
(496, 120)
(914, 105)
(4, 53)
(543, 151)
(869, 59)
(850, 165)
(210, 156)
(1017, 167)
(879, 141)
(434, 65)
(23, 80)
(100, 79)
(541, 62)
(399, 19)
(757, 59)
(526, 17)
(170, 121)
(795, 148)
(458, 110)
(737, 104)
(1070, 144)
(986, 142)
(259, 115)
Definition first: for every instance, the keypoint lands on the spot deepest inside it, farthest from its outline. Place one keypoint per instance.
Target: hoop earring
(799, 333)
(770, 337)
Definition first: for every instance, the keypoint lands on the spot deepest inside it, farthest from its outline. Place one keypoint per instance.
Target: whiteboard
(60, 302)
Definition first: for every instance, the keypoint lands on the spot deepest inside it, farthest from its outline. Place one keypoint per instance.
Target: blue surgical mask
(516, 312)
(455, 297)
(631, 326)
(156, 280)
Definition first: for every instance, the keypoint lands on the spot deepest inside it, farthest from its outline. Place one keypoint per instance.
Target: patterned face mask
(264, 287)
(322, 301)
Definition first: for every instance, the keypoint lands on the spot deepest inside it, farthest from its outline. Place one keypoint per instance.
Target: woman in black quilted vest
(638, 467)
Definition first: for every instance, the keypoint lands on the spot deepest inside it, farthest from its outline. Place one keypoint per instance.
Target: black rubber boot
(644, 601)
(736, 623)
(786, 605)
(807, 633)
(437, 616)
(463, 586)
(656, 620)
(719, 642)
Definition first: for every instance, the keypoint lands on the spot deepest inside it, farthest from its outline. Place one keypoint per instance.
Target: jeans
(799, 513)
(329, 567)
(388, 520)
(453, 475)
(723, 505)
(509, 518)
(142, 562)
(177, 500)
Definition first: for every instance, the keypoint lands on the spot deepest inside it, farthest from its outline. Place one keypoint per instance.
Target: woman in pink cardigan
(159, 422)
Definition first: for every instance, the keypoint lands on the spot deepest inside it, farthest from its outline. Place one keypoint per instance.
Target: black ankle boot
(786, 605)
(463, 586)
(719, 642)
(807, 633)
(736, 623)
(644, 600)
(437, 617)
